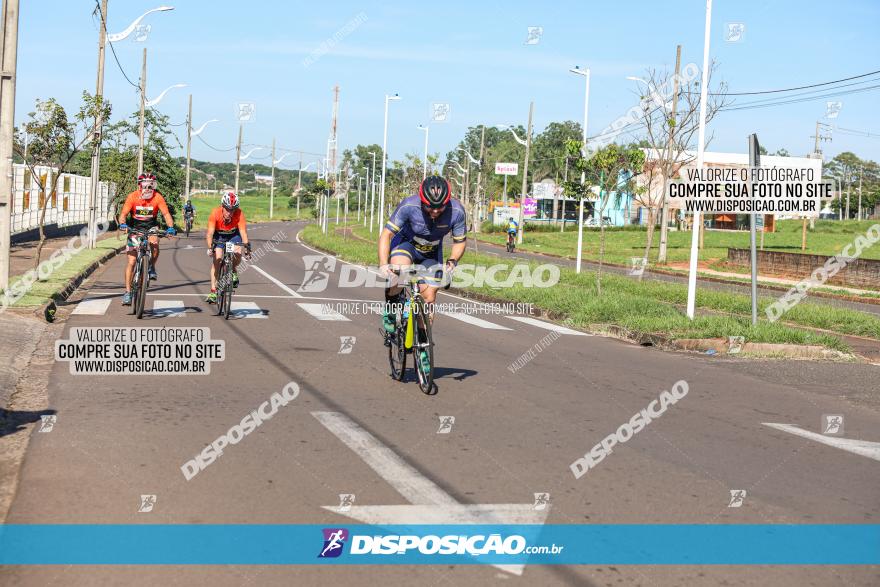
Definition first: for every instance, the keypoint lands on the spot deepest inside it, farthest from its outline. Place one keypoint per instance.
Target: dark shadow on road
(13, 421)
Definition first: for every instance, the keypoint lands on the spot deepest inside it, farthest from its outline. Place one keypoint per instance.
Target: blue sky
(471, 55)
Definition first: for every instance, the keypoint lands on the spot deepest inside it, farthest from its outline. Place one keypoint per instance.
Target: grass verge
(651, 307)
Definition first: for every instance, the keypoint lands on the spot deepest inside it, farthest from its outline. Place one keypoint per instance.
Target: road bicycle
(225, 284)
(511, 242)
(189, 224)
(412, 332)
(140, 279)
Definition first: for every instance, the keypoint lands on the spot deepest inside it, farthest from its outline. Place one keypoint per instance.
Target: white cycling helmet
(230, 201)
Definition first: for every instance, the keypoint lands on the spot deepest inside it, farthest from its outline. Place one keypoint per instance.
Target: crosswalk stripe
(247, 310)
(548, 326)
(474, 320)
(92, 307)
(169, 308)
(323, 312)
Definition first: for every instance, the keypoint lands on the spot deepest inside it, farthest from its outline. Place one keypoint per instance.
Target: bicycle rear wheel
(144, 281)
(135, 288)
(423, 343)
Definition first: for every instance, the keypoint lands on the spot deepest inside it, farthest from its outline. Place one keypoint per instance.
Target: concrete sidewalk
(21, 255)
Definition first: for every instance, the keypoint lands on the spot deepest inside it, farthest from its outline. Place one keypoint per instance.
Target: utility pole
(670, 153)
(481, 189)
(861, 172)
(238, 156)
(143, 106)
(189, 128)
(97, 132)
(525, 184)
(299, 183)
(8, 62)
(372, 191)
(272, 186)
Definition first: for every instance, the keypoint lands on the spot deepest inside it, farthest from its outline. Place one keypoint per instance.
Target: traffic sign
(506, 168)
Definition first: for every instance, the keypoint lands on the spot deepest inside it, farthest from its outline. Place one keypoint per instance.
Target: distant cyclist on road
(414, 235)
(189, 211)
(512, 228)
(226, 224)
(144, 205)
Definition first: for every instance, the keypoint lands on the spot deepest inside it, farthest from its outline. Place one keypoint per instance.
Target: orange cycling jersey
(143, 210)
(223, 228)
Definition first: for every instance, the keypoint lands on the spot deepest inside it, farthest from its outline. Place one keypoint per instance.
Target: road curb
(48, 309)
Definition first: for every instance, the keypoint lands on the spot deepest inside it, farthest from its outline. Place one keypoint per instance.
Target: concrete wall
(860, 273)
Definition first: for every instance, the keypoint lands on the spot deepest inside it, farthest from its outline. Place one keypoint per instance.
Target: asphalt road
(353, 430)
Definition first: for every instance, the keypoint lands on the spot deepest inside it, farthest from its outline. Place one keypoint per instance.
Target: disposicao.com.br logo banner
(279, 544)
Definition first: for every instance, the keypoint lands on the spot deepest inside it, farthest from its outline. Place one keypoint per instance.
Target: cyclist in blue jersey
(414, 235)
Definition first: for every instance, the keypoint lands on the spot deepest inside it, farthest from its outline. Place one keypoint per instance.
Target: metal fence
(68, 204)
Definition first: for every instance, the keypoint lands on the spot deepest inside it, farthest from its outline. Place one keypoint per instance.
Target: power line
(797, 100)
(213, 147)
(795, 88)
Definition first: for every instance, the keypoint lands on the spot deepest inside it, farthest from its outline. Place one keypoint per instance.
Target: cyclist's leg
(154, 250)
(131, 250)
(402, 255)
(216, 258)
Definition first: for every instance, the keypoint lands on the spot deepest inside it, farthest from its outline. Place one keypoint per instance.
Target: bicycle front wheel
(144, 281)
(423, 349)
(221, 289)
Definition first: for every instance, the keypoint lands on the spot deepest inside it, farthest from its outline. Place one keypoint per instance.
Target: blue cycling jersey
(410, 223)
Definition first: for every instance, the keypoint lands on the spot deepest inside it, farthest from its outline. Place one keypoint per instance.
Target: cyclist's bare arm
(385, 246)
(209, 235)
(458, 250)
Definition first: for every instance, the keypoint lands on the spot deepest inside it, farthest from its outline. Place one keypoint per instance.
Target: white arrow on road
(430, 504)
(863, 448)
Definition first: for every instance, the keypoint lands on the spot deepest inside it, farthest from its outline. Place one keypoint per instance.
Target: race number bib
(230, 247)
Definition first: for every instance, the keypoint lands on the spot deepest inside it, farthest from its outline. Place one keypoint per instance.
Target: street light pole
(384, 160)
(427, 129)
(701, 147)
(143, 106)
(238, 157)
(586, 73)
(189, 129)
(372, 191)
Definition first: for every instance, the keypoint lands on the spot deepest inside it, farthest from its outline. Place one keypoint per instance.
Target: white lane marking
(92, 306)
(276, 282)
(274, 250)
(863, 448)
(169, 308)
(548, 326)
(247, 310)
(188, 247)
(474, 320)
(408, 482)
(323, 312)
(430, 504)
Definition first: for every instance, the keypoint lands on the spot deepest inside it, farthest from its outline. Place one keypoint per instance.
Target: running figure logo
(832, 424)
(47, 423)
(735, 344)
(737, 496)
(318, 270)
(346, 500)
(346, 344)
(542, 500)
(334, 540)
(446, 423)
(638, 266)
(147, 504)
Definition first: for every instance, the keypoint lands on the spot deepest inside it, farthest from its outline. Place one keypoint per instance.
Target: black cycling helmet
(434, 192)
